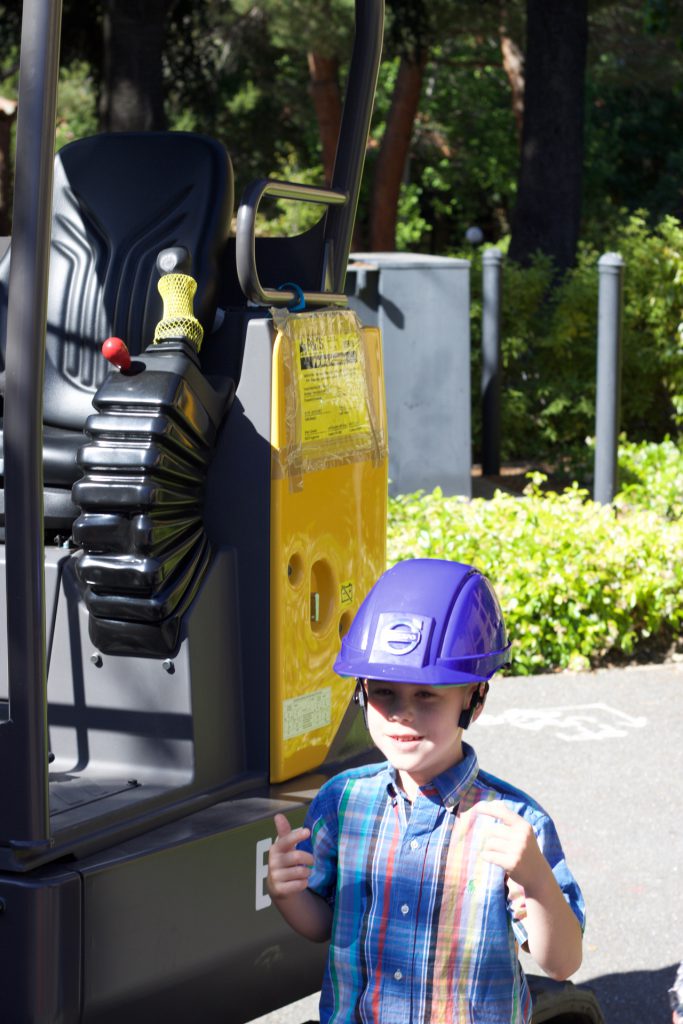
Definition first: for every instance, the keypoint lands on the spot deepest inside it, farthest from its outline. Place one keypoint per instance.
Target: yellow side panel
(328, 543)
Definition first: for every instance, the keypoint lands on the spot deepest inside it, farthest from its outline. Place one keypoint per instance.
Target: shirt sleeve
(549, 843)
(322, 822)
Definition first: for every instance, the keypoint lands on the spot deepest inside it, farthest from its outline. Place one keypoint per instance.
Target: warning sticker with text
(305, 713)
(331, 383)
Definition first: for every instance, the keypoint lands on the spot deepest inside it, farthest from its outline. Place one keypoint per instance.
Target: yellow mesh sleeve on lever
(178, 321)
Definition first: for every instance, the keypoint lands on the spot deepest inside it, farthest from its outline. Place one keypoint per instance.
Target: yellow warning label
(331, 382)
(330, 398)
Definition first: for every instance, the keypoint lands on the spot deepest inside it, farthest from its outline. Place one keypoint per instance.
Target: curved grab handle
(342, 198)
(246, 240)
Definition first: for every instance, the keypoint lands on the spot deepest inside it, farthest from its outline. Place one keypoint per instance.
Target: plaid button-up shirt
(422, 931)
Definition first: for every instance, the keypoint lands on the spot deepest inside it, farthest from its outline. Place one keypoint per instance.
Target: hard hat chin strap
(360, 698)
(467, 714)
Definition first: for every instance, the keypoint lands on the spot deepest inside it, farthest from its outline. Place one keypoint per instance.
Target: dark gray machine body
(163, 927)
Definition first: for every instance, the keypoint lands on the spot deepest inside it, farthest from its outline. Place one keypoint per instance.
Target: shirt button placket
(398, 975)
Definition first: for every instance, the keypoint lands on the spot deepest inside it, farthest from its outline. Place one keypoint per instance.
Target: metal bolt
(96, 659)
(168, 666)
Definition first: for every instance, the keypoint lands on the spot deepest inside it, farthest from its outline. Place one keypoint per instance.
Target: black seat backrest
(118, 200)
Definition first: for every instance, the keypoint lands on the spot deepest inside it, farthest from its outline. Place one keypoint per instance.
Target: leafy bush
(549, 344)
(651, 477)
(581, 584)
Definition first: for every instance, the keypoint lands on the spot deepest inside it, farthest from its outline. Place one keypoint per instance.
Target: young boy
(423, 870)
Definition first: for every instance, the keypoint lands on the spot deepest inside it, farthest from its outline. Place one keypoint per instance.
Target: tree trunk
(393, 153)
(326, 95)
(548, 211)
(8, 112)
(513, 65)
(132, 95)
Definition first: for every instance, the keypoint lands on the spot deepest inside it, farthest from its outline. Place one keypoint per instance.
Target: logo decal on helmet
(400, 637)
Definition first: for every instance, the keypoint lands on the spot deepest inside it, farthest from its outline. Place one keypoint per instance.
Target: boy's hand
(554, 934)
(511, 844)
(288, 868)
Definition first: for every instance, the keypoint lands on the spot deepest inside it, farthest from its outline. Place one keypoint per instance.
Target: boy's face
(416, 727)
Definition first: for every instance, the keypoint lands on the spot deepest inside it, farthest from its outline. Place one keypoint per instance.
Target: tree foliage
(239, 70)
(549, 346)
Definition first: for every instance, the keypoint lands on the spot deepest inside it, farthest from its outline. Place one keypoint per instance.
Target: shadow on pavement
(635, 997)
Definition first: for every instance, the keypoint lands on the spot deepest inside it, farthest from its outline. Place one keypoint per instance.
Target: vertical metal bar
(491, 286)
(608, 387)
(353, 139)
(26, 820)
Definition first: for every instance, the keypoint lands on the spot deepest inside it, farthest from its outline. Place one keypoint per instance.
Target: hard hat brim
(427, 675)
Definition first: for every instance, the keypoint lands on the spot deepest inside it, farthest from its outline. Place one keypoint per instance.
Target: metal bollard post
(608, 385)
(491, 280)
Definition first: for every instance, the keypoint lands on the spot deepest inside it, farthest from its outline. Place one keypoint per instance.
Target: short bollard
(608, 384)
(491, 287)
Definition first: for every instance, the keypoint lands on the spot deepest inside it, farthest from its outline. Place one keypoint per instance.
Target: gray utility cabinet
(422, 305)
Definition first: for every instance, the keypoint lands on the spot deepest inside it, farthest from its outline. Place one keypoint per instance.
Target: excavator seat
(118, 200)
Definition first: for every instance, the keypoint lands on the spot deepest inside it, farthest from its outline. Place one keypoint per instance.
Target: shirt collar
(450, 785)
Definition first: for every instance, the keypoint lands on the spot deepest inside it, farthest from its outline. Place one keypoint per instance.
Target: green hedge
(581, 584)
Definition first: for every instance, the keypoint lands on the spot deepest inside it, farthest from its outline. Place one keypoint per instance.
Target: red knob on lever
(117, 353)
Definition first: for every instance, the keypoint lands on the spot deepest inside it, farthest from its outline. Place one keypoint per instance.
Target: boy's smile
(416, 728)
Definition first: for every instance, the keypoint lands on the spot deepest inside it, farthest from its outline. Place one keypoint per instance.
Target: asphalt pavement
(603, 753)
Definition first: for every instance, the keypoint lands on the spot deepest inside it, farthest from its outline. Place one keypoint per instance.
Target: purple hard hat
(429, 622)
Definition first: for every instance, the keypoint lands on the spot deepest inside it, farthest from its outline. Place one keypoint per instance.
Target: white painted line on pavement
(576, 722)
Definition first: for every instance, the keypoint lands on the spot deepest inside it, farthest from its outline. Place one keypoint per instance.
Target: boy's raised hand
(288, 868)
(512, 845)
(554, 932)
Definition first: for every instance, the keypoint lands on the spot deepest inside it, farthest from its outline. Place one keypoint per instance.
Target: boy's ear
(480, 697)
(475, 707)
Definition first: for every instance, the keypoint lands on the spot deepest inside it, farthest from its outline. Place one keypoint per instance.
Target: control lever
(177, 287)
(116, 352)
